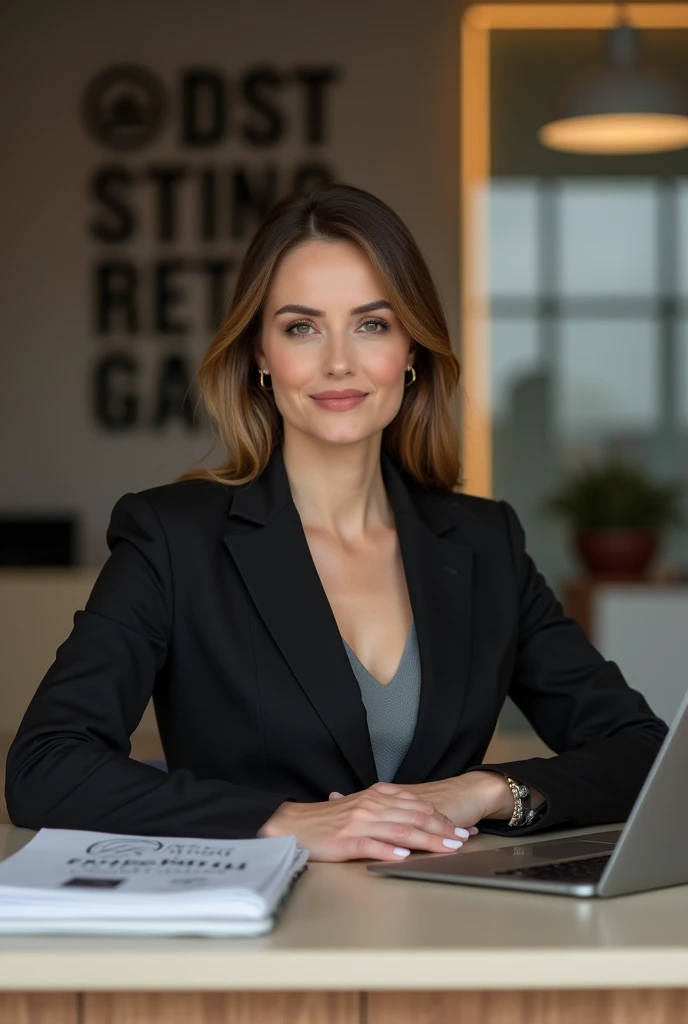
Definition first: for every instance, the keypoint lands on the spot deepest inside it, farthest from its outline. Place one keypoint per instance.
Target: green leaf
(616, 494)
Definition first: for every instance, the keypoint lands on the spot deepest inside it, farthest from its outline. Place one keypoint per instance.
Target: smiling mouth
(337, 403)
(344, 393)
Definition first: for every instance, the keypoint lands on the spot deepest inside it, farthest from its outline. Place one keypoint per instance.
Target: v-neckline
(401, 660)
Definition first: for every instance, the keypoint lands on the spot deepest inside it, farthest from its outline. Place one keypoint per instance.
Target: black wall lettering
(116, 295)
(314, 81)
(116, 404)
(216, 273)
(167, 295)
(257, 87)
(173, 392)
(252, 196)
(203, 108)
(183, 214)
(110, 186)
(208, 211)
(166, 179)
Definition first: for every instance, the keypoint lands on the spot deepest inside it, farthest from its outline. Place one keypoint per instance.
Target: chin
(345, 434)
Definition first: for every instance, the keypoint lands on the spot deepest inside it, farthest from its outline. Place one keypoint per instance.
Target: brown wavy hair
(422, 439)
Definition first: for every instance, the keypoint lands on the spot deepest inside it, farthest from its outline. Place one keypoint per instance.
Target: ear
(258, 353)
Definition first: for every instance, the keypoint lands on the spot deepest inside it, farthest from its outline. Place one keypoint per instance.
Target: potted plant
(617, 513)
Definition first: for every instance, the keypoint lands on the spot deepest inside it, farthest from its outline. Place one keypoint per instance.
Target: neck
(337, 488)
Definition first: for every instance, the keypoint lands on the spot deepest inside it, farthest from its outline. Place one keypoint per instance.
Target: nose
(339, 355)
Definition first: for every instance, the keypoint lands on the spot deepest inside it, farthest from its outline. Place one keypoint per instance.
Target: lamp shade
(621, 108)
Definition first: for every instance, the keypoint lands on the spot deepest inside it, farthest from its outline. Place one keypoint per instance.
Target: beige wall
(392, 124)
(392, 128)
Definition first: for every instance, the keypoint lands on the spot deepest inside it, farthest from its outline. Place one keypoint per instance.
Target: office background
(142, 144)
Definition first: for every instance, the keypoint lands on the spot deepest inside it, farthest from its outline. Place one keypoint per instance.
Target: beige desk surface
(345, 928)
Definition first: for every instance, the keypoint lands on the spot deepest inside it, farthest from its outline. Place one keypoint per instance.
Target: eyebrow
(308, 311)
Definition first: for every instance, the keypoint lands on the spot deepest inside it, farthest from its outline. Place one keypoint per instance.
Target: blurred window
(587, 289)
(607, 376)
(621, 218)
(513, 215)
(514, 355)
(682, 224)
(683, 374)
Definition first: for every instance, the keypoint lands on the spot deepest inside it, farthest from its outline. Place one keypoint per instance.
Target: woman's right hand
(367, 824)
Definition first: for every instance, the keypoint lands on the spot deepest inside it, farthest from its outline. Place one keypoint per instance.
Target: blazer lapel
(439, 576)
(275, 562)
(266, 539)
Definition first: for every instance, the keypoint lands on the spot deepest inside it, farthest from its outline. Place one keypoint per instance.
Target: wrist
(280, 821)
(497, 798)
(501, 801)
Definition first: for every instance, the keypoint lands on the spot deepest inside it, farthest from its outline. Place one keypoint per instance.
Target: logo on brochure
(130, 847)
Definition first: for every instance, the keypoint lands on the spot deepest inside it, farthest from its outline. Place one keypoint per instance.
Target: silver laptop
(649, 852)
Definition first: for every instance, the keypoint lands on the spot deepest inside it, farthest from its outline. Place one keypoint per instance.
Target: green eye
(297, 323)
(380, 323)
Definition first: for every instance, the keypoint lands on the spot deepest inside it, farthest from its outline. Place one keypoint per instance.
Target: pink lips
(339, 401)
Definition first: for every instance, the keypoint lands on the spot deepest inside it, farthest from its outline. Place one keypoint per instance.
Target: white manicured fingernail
(453, 844)
(401, 851)
(463, 832)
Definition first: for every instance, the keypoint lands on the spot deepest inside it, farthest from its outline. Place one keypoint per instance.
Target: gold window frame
(476, 24)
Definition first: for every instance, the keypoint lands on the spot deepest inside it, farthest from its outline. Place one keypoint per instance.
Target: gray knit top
(391, 709)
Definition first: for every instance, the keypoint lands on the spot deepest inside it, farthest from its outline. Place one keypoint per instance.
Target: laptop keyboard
(588, 869)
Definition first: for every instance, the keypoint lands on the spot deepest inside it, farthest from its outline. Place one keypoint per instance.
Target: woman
(328, 628)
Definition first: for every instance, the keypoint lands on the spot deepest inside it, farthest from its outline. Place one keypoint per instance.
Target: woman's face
(331, 344)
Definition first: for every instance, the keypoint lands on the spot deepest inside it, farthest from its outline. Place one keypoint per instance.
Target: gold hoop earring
(410, 382)
(263, 374)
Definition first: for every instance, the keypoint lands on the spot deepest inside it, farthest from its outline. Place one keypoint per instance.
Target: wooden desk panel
(644, 1007)
(558, 1007)
(35, 1008)
(223, 1008)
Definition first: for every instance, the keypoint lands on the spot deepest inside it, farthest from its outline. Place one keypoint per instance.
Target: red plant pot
(616, 551)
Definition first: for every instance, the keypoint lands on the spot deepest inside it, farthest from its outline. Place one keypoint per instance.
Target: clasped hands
(388, 820)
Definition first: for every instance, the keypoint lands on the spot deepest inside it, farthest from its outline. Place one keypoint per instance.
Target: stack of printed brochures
(66, 881)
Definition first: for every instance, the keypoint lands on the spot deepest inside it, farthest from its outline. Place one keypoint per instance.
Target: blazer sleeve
(603, 732)
(69, 764)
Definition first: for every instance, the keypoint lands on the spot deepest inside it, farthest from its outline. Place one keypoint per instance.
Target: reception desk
(351, 947)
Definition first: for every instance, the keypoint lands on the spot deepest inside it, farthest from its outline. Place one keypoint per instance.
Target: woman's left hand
(463, 798)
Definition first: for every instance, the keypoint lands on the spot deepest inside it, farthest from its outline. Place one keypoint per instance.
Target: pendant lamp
(621, 108)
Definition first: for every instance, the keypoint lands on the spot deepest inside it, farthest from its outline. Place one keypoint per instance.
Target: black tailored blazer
(211, 603)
